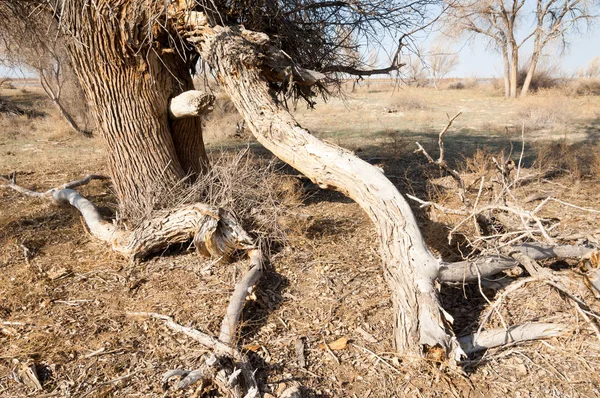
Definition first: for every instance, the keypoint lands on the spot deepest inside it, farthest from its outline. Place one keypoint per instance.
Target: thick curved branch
(214, 231)
(409, 266)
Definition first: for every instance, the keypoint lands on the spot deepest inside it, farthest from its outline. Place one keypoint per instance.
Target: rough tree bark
(128, 75)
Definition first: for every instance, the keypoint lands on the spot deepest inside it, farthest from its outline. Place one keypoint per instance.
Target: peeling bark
(409, 267)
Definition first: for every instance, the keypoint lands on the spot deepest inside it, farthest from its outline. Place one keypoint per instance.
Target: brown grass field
(63, 295)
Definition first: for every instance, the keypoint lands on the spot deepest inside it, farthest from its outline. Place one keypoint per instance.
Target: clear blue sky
(476, 60)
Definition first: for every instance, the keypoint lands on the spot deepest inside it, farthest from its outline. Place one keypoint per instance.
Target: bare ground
(63, 304)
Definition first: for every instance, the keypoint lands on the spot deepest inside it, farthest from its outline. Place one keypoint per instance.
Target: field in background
(70, 293)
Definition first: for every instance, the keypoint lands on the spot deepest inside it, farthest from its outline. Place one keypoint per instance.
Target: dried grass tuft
(580, 161)
(253, 189)
(545, 114)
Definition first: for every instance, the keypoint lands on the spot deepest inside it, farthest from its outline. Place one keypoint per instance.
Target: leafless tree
(592, 70)
(415, 72)
(441, 62)
(506, 24)
(36, 45)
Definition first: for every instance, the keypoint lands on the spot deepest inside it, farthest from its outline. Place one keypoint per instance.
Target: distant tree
(37, 45)
(441, 62)
(414, 72)
(505, 23)
(592, 70)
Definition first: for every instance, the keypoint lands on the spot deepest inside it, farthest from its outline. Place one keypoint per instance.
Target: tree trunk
(128, 77)
(514, 70)
(55, 95)
(506, 61)
(534, 60)
(409, 267)
(67, 116)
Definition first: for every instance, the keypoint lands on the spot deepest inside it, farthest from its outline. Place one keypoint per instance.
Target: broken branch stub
(192, 103)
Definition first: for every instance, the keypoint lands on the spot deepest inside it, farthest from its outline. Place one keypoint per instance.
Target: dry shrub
(479, 163)
(545, 113)
(462, 84)
(543, 78)
(265, 200)
(579, 160)
(409, 100)
(586, 87)
(255, 190)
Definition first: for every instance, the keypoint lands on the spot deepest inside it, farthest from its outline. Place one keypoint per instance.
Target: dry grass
(550, 112)
(70, 295)
(223, 122)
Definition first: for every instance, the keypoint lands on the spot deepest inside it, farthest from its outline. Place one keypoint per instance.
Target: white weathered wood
(409, 266)
(542, 251)
(192, 103)
(218, 347)
(206, 340)
(499, 337)
(97, 225)
(238, 299)
(473, 270)
(480, 268)
(214, 231)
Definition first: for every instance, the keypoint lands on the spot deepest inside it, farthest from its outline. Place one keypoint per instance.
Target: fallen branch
(472, 270)
(12, 184)
(236, 303)
(484, 267)
(214, 231)
(217, 346)
(515, 334)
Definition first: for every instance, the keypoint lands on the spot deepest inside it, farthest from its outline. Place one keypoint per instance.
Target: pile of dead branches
(10, 109)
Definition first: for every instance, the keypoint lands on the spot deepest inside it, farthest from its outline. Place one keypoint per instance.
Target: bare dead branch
(217, 346)
(236, 303)
(515, 334)
(441, 162)
(484, 267)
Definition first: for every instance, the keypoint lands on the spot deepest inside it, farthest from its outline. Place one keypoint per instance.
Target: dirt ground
(64, 296)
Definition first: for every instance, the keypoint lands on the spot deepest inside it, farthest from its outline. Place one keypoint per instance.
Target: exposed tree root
(214, 231)
(515, 334)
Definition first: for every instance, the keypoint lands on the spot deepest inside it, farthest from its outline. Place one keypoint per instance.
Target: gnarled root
(215, 232)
